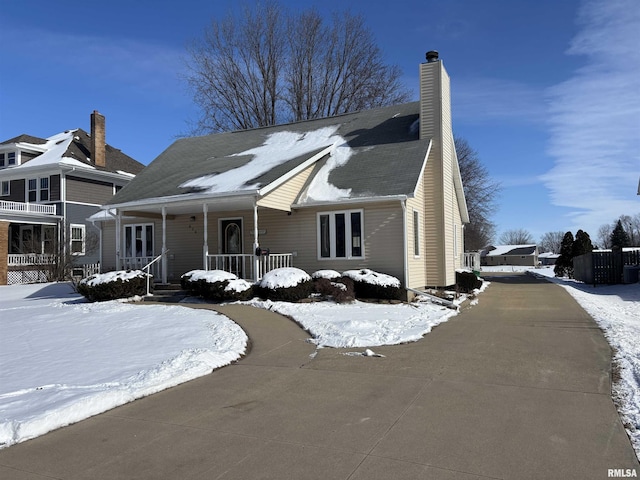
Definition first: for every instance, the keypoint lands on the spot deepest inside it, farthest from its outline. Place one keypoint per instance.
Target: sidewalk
(516, 387)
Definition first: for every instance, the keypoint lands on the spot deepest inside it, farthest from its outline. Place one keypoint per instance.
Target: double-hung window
(340, 234)
(6, 190)
(44, 189)
(32, 191)
(77, 239)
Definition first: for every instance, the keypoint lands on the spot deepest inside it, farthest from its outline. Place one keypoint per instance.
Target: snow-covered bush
(340, 289)
(113, 285)
(216, 285)
(370, 284)
(328, 274)
(287, 284)
(467, 282)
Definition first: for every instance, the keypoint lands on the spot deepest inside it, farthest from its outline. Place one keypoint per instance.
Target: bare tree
(481, 194)
(270, 66)
(551, 242)
(517, 236)
(604, 236)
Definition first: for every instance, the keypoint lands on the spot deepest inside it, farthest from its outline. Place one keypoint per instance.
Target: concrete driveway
(516, 387)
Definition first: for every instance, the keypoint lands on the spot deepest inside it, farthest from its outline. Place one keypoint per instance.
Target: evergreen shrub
(114, 285)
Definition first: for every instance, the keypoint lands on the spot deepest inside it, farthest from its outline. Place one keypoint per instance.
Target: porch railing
(23, 259)
(27, 207)
(244, 265)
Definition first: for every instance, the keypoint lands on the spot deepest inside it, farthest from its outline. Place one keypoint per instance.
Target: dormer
(19, 150)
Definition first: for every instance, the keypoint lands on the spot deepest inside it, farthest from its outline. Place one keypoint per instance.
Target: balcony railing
(20, 207)
(24, 259)
(244, 265)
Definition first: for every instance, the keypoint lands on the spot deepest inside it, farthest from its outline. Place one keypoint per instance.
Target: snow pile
(124, 275)
(210, 276)
(372, 278)
(278, 148)
(63, 360)
(328, 274)
(284, 278)
(361, 324)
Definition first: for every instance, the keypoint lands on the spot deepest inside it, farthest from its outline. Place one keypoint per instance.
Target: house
(519, 255)
(548, 258)
(48, 188)
(378, 189)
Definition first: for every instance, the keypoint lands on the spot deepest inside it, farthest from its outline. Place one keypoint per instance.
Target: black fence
(607, 267)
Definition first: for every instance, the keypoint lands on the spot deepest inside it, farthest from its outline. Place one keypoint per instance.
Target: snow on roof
(549, 255)
(278, 148)
(54, 149)
(505, 249)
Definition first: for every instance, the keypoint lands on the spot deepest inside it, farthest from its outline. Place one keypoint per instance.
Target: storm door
(231, 232)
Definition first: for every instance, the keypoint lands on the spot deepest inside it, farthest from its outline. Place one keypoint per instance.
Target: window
(77, 239)
(340, 234)
(138, 240)
(5, 190)
(48, 239)
(32, 192)
(2, 160)
(416, 233)
(11, 158)
(44, 189)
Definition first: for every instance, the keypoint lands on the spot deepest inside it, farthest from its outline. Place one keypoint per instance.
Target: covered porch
(173, 238)
(30, 235)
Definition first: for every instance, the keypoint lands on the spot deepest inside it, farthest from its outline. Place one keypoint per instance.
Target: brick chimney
(98, 136)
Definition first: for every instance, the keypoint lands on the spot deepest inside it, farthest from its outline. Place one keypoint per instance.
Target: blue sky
(547, 91)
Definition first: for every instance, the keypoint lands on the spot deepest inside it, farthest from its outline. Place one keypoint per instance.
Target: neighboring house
(378, 189)
(548, 258)
(519, 255)
(49, 187)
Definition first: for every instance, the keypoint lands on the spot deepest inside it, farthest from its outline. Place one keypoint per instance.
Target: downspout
(119, 264)
(405, 238)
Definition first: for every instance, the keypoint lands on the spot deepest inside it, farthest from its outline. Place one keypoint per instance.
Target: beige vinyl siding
(88, 191)
(286, 194)
(417, 274)
(382, 238)
(108, 260)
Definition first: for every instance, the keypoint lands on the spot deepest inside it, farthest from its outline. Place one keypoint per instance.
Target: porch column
(256, 244)
(164, 245)
(205, 247)
(118, 240)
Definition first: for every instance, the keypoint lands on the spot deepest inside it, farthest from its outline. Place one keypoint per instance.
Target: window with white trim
(78, 239)
(44, 189)
(6, 189)
(340, 234)
(416, 233)
(2, 160)
(32, 190)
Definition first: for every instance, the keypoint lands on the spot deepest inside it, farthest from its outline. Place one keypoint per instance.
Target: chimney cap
(432, 56)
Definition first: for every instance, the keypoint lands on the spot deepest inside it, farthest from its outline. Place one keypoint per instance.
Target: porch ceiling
(220, 204)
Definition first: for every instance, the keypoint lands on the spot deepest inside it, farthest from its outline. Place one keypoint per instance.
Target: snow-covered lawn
(63, 360)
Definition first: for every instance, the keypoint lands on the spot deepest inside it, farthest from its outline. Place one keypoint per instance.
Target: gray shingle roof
(386, 160)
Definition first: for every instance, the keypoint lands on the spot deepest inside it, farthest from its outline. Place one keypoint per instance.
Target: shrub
(114, 285)
(285, 284)
(467, 282)
(370, 284)
(341, 290)
(216, 285)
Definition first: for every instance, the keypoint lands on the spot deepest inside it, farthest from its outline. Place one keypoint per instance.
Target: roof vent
(432, 56)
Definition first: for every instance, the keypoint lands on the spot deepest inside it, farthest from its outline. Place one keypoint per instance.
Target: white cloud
(594, 118)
